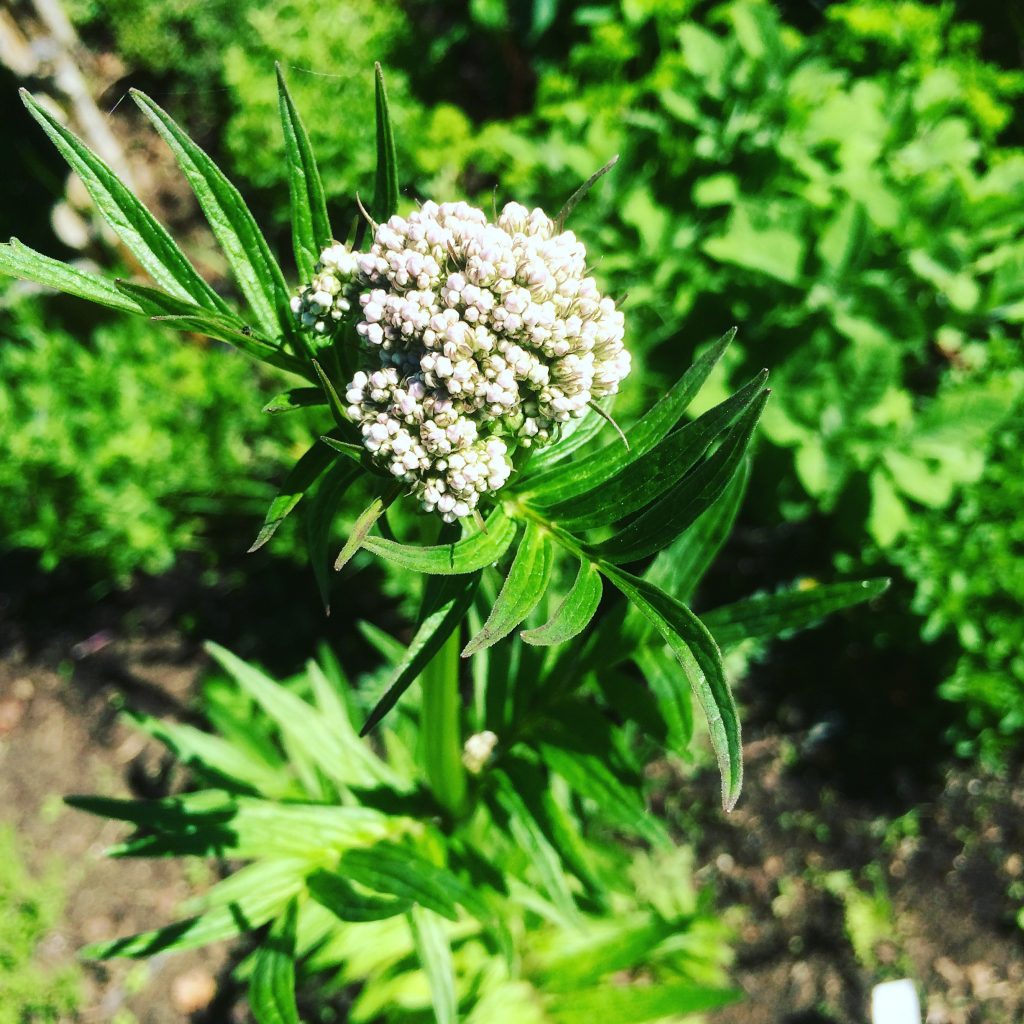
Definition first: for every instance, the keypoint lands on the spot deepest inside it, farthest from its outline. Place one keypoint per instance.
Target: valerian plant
(468, 367)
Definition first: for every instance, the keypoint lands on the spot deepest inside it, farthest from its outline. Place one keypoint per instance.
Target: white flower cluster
(321, 305)
(476, 332)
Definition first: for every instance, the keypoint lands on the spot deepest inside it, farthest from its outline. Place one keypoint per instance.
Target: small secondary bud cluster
(323, 303)
(478, 336)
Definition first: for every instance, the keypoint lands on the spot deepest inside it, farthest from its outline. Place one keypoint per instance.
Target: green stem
(440, 730)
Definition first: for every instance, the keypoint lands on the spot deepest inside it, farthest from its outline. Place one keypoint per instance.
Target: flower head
(479, 337)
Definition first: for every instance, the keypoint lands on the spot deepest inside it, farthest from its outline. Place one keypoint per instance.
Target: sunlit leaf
(769, 615)
(19, 260)
(573, 613)
(272, 984)
(146, 239)
(699, 656)
(445, 614)
(659, 525)
(311, 227)
(332, 891)
(481, 548)
(385, 196)
(435, 955)
(247, 252)
(557, 485)
(524, 586)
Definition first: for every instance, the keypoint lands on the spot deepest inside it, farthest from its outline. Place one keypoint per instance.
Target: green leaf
(300, 478)
(361, 527)
(528, 835)
(341, 899)
(401, 871)
(268, 886)
(671, 693)
(247, 252)
(660, 524)
(154, 302)
(311, 227)
(435, 954)
(589, 775)
(208, 753)
(767, 615)
(20, 261)
(146, 239)
(581, 193)
(220, 824)
(320, 516)
(385, 195)
(293, 399)
(701, 661)
(524, 586)
(680, 568)
(557, 485)
(479, 549)
(576, 610)
(333, 398)
(241, 338)
(344, 762)
(649, 476)
(443, 616)
(272, 985)
(635, 1004)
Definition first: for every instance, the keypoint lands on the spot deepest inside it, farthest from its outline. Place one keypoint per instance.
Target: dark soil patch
(60, 734)
(797, 861)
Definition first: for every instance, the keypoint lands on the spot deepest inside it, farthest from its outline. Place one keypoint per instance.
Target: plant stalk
(440, 730)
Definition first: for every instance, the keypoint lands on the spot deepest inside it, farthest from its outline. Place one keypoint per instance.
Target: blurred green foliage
(117, 440)
(29, 909)
(969, 571)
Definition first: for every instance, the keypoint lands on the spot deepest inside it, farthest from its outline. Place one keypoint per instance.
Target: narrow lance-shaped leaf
(268, 886)
(272, 985)
(524, 586)
(385, 196)
(332, 891)
(311, 227)
(19, 260)
(247, 252)
(319, 518)
(362, 526)
(580, 194)
(333, 752)
(294, 399)
(300, 478)
(451, 602)
(573, 613)
(671, 691)
(401, 871)
(679, 568)
(528, 835)
(556, 485)
(241, 338)
(476, 551)
(435, 955)
(652, 474)
(660, 524)
(698, 654)
(146, 239)
(155, 302)
(635, 1003)
(768, 615)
